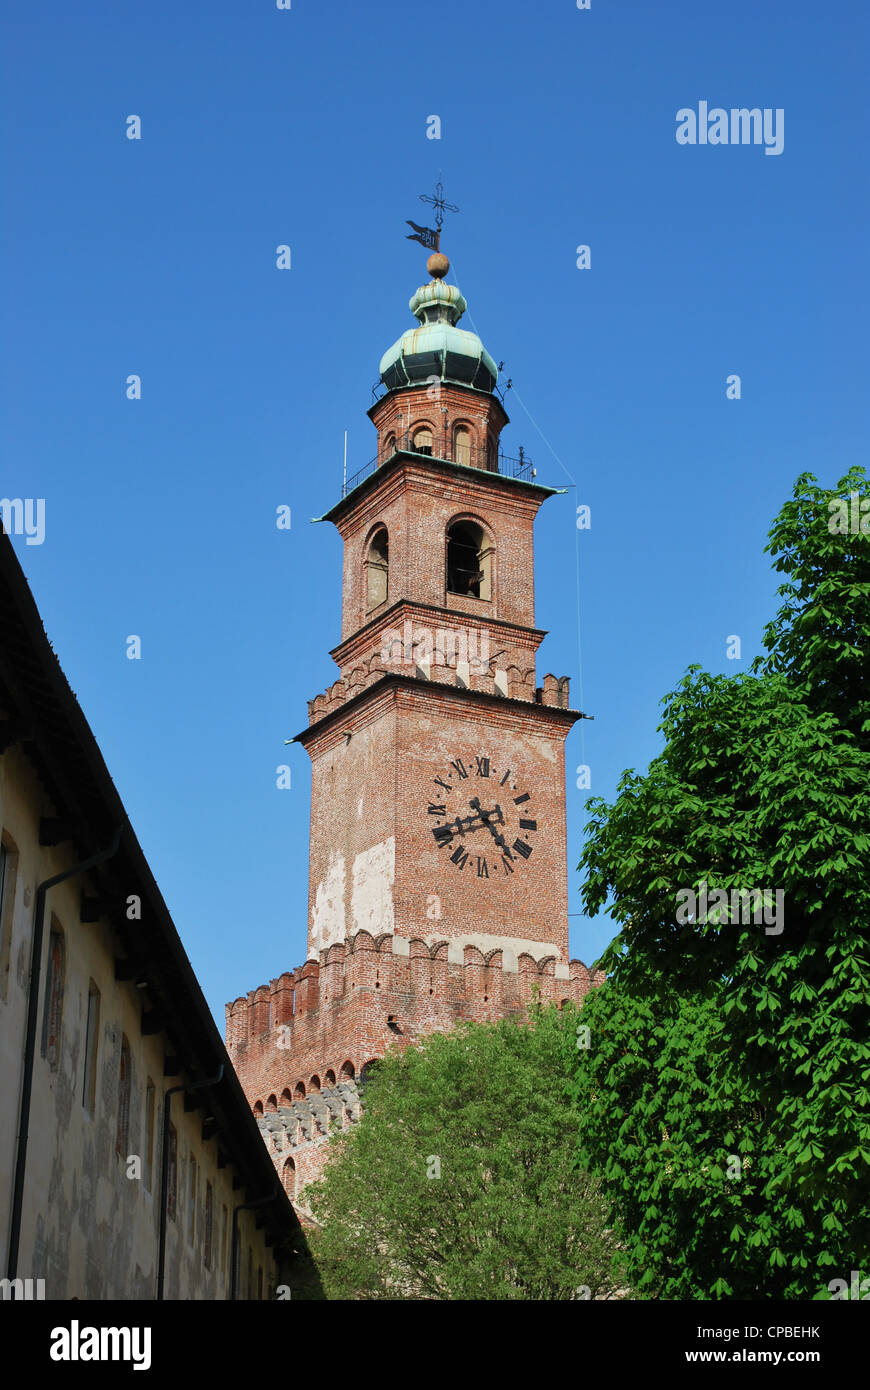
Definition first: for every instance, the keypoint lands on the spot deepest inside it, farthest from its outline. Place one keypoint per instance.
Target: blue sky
(307, 127)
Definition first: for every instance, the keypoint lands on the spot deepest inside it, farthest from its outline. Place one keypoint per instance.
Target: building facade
(438, 863)
(128, 1153)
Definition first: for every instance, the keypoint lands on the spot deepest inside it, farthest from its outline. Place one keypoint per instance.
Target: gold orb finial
(437, 265)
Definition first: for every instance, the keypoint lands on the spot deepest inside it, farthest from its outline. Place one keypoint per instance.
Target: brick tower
(438, 871)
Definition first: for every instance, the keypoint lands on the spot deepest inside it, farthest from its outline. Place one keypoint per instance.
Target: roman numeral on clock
(518, 800)
(443, 834)
(482, 766)
(522, 848)
(436, 810)
(439, 782)
(528, 824)
(504, 779)
(506, 863)
(460, 857)
(460, 767)
(482, 870)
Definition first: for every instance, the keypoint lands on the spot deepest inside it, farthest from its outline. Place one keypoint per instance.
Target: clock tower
(438, 868)
(438, 770)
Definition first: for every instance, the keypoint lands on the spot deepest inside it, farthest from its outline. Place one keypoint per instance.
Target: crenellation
(361, 997)
(555, 691)
(508, 681)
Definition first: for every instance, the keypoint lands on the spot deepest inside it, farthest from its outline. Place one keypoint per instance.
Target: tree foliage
(460, 1181)
(717, 1039)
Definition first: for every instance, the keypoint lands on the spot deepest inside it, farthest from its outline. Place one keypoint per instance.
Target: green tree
(716, 1038)
(460, 1181)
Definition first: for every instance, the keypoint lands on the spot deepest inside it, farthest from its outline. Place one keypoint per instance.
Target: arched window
(329, 1078)
(422, 441)
(378, 569)
(286, 1098)
(258, 1107)
(469, 560)
(347, 1072)
(271, 1105)
(299, 1090)
(462, 445)
(288, 1177)
(124, 1082)
(389, 447)
(368, 1070)
(314, 1086)
(53, 1007)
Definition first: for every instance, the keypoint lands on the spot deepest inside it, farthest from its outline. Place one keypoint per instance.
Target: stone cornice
(413, 469)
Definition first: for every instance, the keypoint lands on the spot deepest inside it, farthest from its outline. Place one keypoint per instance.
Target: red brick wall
(352, 809)
(374, 771)
(416, 501)
(441, 405)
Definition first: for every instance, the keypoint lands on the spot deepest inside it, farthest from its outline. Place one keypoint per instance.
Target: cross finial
(430, 237)
(439, 204)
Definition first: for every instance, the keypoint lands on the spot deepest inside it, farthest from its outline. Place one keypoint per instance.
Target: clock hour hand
(445, 833)
(486, 817)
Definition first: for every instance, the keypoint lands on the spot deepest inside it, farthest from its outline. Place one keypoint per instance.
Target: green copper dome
(438, 348)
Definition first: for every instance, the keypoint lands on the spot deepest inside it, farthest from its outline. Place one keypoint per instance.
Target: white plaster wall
(374, 873)
(87, 1229)
(327, 918)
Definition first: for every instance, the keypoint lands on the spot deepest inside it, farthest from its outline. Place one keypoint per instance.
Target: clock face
(482, 816)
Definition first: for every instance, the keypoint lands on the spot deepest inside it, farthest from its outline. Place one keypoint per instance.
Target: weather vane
(426, 235)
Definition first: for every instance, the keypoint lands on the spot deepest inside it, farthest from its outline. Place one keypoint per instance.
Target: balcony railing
(471, 456)
(379, 389)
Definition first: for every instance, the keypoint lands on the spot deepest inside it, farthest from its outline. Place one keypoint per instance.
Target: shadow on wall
(301, 1274)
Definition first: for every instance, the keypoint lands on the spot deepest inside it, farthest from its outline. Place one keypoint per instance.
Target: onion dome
(438, 349)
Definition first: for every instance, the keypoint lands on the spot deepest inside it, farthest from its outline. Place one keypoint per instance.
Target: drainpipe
(30, 1040)
(164, 1167)
(245, 1206)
